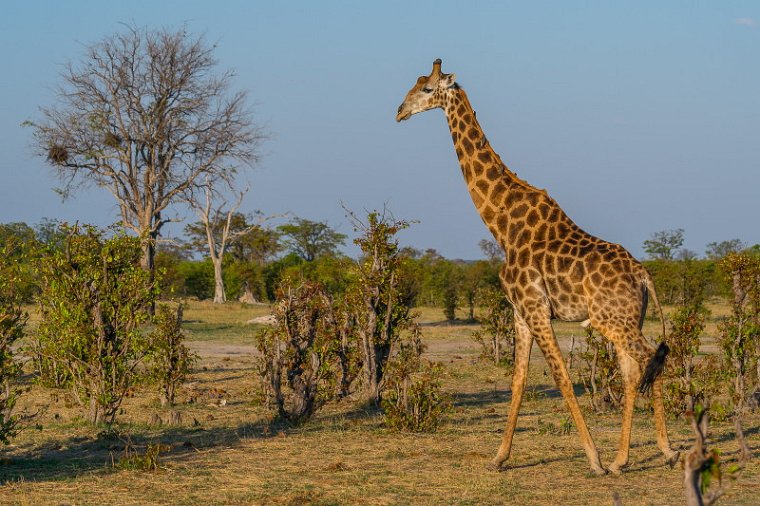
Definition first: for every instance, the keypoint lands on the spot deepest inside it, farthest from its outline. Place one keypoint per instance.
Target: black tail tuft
(654, 368)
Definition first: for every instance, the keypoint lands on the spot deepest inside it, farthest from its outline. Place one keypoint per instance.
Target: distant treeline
(257, 262)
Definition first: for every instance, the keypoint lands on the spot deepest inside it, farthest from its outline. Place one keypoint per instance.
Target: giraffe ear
(449, 80)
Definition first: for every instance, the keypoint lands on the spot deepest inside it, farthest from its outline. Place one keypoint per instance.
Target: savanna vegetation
(210, 405)
(252, 362)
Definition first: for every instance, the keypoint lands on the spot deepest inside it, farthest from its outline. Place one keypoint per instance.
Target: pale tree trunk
(149, 235)
(149, 225)
(210, 217)
(148, 260)
(219, 295)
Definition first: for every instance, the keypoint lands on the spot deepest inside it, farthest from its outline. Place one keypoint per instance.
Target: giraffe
(552, 270)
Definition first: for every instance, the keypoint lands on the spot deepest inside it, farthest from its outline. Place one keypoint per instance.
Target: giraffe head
(428, 93)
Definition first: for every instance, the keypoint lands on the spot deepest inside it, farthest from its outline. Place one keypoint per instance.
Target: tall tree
(664, 244)
(216, 227)
(258, 245)
(718, 250)
(147, 115)
(310, 239)
(491, 249)
(221, 230)
(253, 243)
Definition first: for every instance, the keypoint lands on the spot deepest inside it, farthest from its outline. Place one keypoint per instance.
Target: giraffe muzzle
(401, 115)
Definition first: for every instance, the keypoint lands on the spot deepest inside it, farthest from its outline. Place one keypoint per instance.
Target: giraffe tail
(657, 362)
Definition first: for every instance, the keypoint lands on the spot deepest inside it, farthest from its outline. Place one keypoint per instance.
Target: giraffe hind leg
(635, 355)
(663, 442)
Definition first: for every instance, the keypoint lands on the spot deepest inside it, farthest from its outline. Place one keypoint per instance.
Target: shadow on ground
(100, 453)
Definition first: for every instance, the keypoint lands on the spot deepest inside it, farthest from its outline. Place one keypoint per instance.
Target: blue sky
(635, 116)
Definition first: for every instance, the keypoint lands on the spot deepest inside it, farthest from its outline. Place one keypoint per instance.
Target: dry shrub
(739, 339)
(689, 382)
(348, 349)
(134, 460)
(295, 367)
(380, 299)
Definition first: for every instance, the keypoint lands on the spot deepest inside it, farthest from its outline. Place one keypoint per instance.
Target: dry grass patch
(232, 452)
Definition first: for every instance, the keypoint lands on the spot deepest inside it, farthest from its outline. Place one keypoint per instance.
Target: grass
(236, 454)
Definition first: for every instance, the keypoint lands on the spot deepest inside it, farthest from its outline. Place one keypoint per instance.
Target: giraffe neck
(488, 179)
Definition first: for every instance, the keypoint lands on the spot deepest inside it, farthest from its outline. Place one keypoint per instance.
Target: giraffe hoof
(615, 469)
(599, 471)
(497, 465)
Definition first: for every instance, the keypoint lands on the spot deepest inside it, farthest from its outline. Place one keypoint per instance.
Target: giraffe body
(552, 270)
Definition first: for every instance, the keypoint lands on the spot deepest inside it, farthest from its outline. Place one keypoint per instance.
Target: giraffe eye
(427, 90)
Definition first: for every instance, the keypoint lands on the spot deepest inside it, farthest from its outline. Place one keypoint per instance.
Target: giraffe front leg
(562, 378)
(544, 334)
(523, 345)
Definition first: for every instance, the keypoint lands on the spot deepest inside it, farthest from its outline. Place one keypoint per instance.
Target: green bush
(12, 322)
(17, 244)
(599, 373)
(686, 281)
(169, 360)
(413, 400)
(497, 334)
(94, 297)
(684, 377)
(198, 279)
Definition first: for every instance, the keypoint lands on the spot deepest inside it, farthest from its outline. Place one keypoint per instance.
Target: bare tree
(216, 221)
(145, 114)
